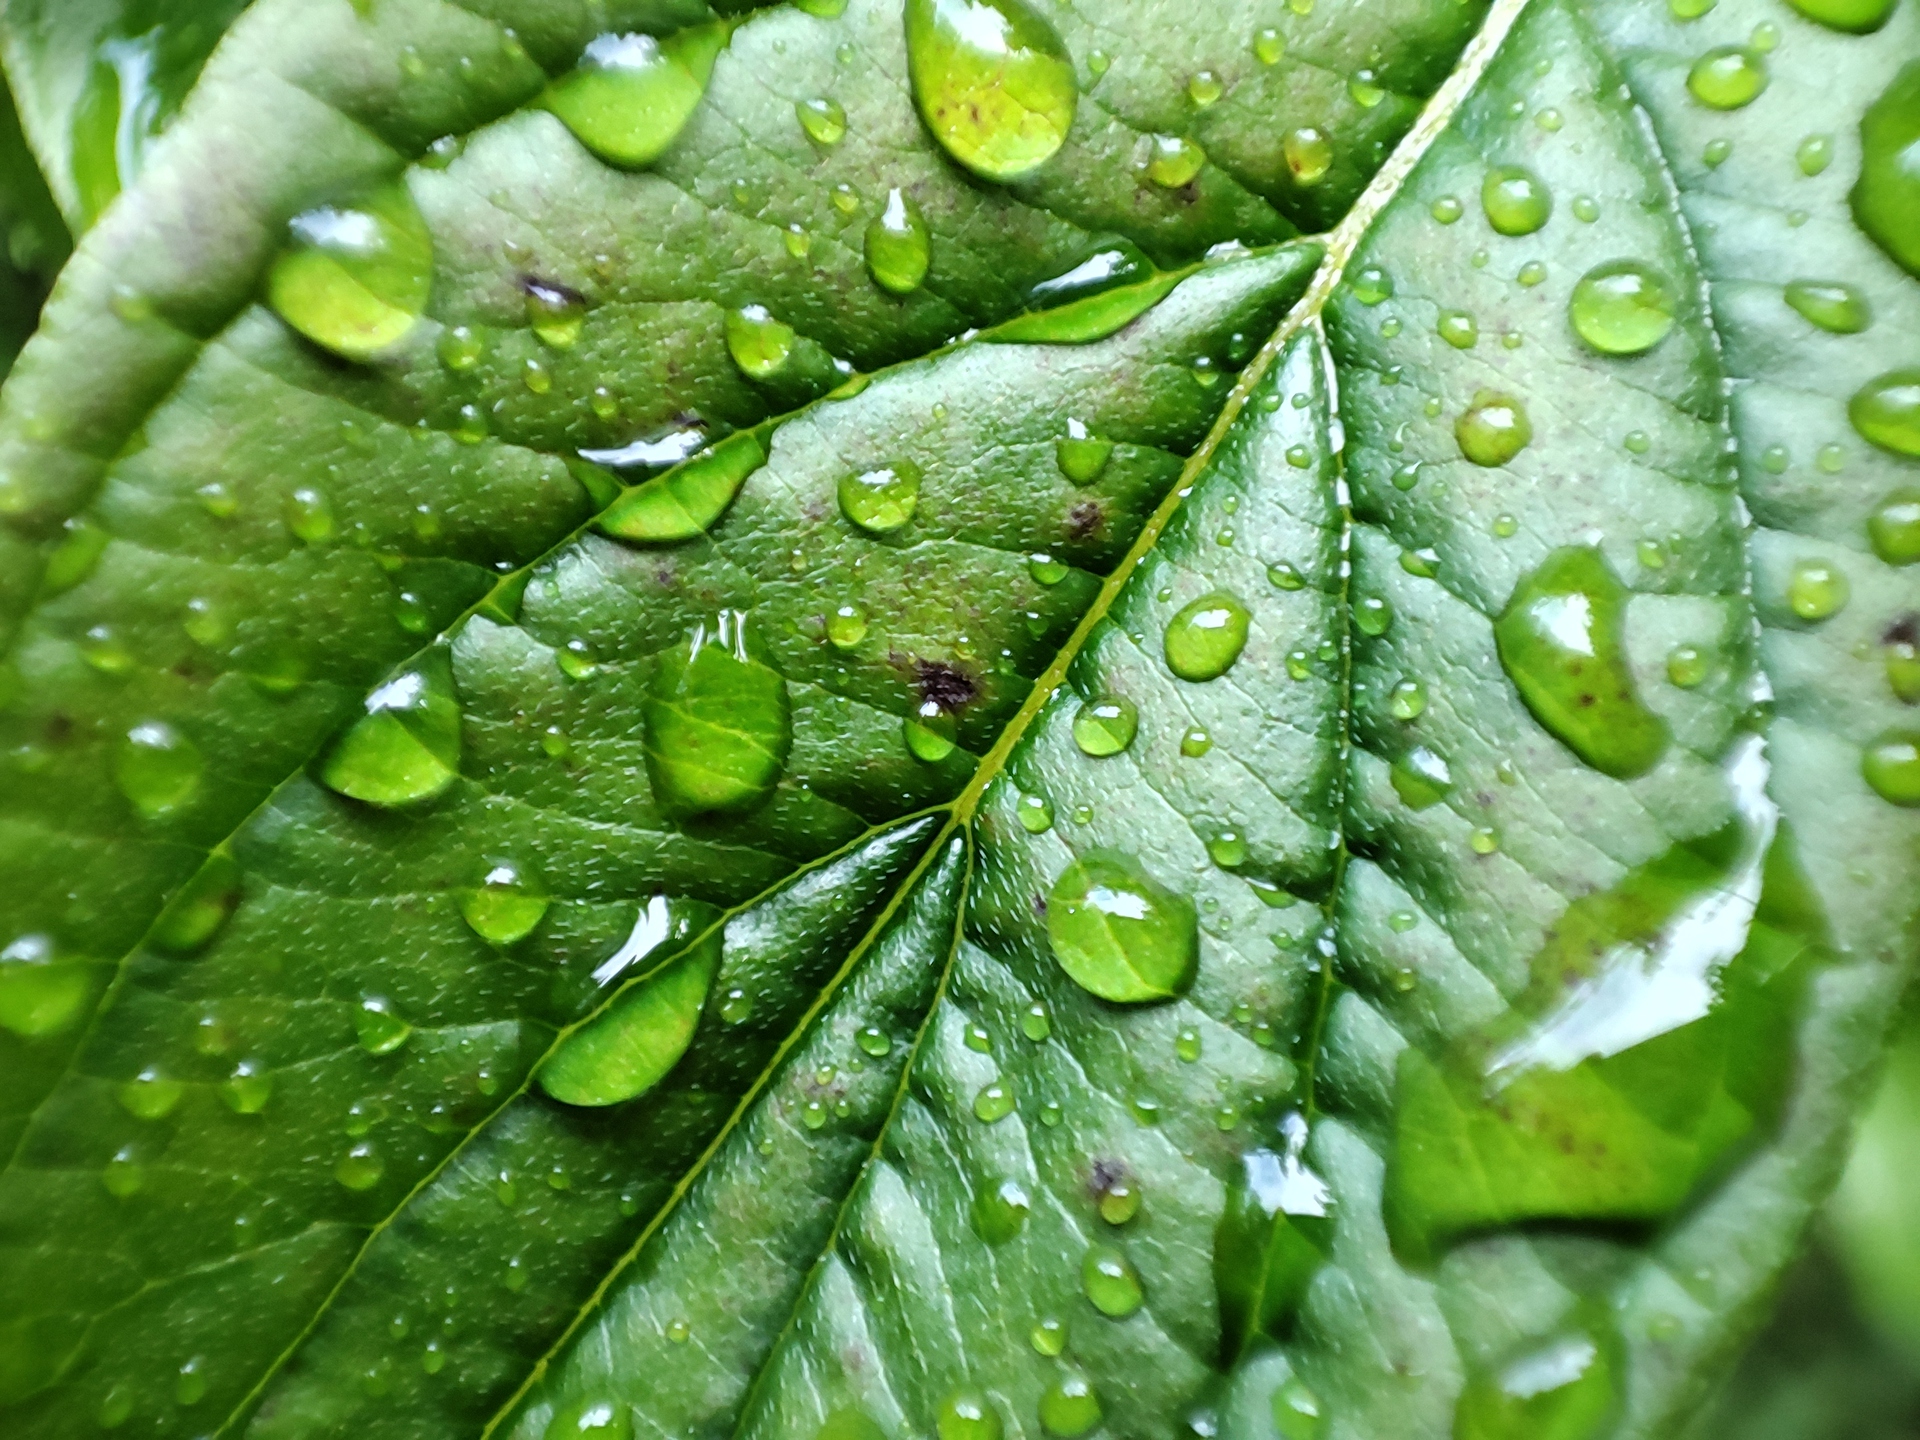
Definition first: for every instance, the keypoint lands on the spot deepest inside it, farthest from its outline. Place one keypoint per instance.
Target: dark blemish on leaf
(59, 727)
(947, 686)
(1104, 1175)
(1039, 903)
(1905, 630)
(1085, 519)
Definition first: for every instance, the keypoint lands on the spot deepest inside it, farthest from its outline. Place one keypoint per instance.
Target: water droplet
(1284, 576)
(688, 499)
(847, 626)
(1105, 725)
(1831, 304)
(151, 1095)
(1886, 410)
(1082, 457)
(1195, 742)
(1561, 642)
(1814, 154)
(1564, 1388)
(309, 515)
(1585, 209)
(1371, 285)
(1516, 200)
(1855, 17)
(718, 721)
(190, 1386)
(157, 768)
(999, 1210)
(1206, 637)
(1269, 45)
(1308, 153)
(471, 426)
(759, 344)
(994, 1102)
(823, 119)
(406, 746)
(1204, 89)
(1036, 1023)
(1716, 153)
(968, 1415)
(1817, 590)
(355, 277)
(1408, 699)
(1891, 765)
(1728, 77)
(1120, 934)
(1046, 570)
(1227, 849)
(1036, 814)
(248, 1088)
(1447, 209)
(929, 732)
(736, 1006)
(992, 81)
(593, 1418)
(1687, 666)
(1111, 1282)
(379, 1027)
(1494, 429)
(1421, 778)
(1894, 527)
(1458, 329)
(505, 908)
(883, 499)
(1373, 615)
(1622, 308)
(459, 348)
(556, 313)
(1363, 89)
(360, 1168)
(631, 95)
(898, 246)
(1120, 1200)
(630, 1046)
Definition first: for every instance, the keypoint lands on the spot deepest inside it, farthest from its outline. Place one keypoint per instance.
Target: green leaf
(783, 723)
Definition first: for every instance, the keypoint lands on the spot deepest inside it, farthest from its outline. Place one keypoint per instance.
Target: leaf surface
(753, 828)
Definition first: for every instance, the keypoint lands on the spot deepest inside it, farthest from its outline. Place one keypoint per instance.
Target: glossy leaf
(806, 734)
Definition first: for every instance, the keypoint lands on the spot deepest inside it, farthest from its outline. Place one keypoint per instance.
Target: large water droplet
(381, 1029)
(968, 1415)
(1561, 642)
(1206, 637)
(1308, 153)
(1421, 778)
(882, 499)
(1081, 455)
(406, 747)
(898, 245)
(1070, 1407)
(1516, 200)
(157, 768)
(1494, 429)
(1817, 590)
(1562, 1389)
(1272, 1237)
(718, 722)
(360, 1168)
(629, 1049)
(1728, 77)
(247, 1089)
(194, 915)
(1111, 1282)
(1886, 411)
(1855, 17)
(1119, 933)
(1831, 304)
(151, 1095)
(39, 995)
(1891, 765)
(556, 313)
(1105, 725)
(631, 95)
(688, 499)
(992, 81)
(1894, 527)
(823, 118)
(1622, 308)
(929, 732)
(355, 277)
(505, 907)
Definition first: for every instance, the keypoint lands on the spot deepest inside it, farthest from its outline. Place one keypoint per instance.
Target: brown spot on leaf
(947, 686)
(1085, 520)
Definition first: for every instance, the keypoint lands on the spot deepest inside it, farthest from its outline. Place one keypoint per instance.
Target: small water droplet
(929, 732)
(1458, 329)
(1894, 527)
(1891, 765)
(157, 768)
(1886, 410)
(1269, 45)
(1817, 589)
(360, 1168)
(1204, 640)
(1728, 77)
(1494, 429)
(759, 344)
(1035, 813)
(380, 1028)
(1622, 308)
(1516, 200)
(883, 499)
(1195, 742)
(1204, 89)
(506, 906)
(999, 1210)
(823, 119)
(1081, 456)
(1371, 285)
(898, 245)
(1814, 154)
(1173, 161)
(1105, 725)
(994, 1101)
(1308, 153)
(1110, 1282)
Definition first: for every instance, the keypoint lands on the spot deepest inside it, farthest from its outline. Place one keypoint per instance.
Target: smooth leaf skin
(863, 1308)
